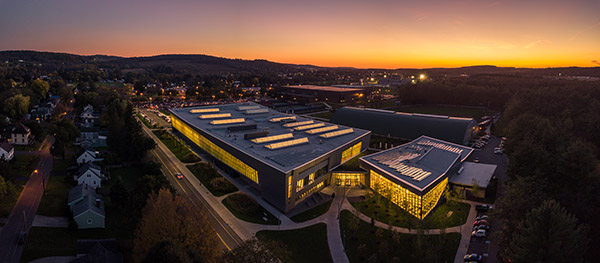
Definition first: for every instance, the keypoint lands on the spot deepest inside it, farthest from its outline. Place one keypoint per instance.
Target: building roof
(324, 88)
(80, 191)
(90, 152)
(6, 146)
(21, 129)
(89, 204)
(284, 159)
(479, 173)
(420, 162)
(88, 166)
(98, 251)
(405, 125)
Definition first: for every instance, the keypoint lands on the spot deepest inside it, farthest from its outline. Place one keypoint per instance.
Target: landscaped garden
(446, 214)
(364, 242)
(177, 146)
(211, 179)
(305, 245)
(312, 213)
(247, 209)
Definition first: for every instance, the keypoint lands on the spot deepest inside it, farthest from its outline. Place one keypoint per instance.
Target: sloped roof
(90, 152)
(98, 253)
(88, 166)
(89, 204)
(405, 125)
(21, 129)
(6, 146)
(79, 191)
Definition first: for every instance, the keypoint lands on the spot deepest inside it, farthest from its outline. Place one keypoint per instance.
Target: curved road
(21, 217)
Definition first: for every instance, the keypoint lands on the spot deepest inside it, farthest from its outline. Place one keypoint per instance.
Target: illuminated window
(279, 145)
(324, 129)
(227, 121)
(215, 116)
(204, 110)
(348, 179)
(337, 133)
(273, 138)
(311, 190)
(351, 152)
(215, 150)
(311, 178)
(282, 118)
(294, 124)
(306, 127)
(299, 184)
(289, 187)
(412, 203)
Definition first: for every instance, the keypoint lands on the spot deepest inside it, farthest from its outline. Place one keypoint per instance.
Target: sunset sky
(379, 33)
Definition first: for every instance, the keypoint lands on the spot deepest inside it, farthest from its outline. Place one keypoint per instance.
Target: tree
(16, 106)
(119, 195)
(167, 251)
(39, 87)
(7, 191)
(169, 218)
(254, 251)
(548, 234)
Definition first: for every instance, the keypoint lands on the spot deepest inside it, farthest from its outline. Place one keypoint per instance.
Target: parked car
(479, 233)
(476, 160)
(484, 227)
(482, 217)
(179, 176)
(483, 208)
(472, 257)
(480, 222)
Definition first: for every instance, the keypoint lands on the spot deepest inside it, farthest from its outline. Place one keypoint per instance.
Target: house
(91, 138)
(98, 250)
(7, 151)
(41, 114)
(21, 135)
(90, 174)
(87, 117)
(87, 156)
(89, 212)
(78, 193)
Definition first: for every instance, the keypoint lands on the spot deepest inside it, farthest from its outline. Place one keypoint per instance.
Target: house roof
(90, 152)
(471, 173)
(405, 125)
(98, 251)
(80, 191)
(88, 166)
(6, 146)
(89, 204)
(21, 129)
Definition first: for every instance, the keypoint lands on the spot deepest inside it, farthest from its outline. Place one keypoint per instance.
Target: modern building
(286, 158)
(414, 175)
(21, 135)
(407, 125)
(311, 93)
(473, 179)
(7, 151)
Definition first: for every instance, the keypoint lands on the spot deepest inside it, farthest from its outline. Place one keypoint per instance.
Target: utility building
(285, 157)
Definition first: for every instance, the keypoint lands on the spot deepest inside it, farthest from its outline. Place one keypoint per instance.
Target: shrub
(223, 185)
(244, 204)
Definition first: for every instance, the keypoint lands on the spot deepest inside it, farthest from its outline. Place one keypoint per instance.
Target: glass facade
(351, 152)
(348, 179)
(215, 150)
(311, 190)
(412, 203)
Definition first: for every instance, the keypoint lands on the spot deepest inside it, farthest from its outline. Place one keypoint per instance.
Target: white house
(20, 135)
(90, 174)
(87, 156)
(7, 151)
(87, 116)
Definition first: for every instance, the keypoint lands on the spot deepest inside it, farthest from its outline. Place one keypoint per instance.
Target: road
(229, 239)
(21, 217)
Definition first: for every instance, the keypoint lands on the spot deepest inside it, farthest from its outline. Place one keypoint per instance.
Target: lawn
(7, 206)
(353, 164)
(33, 147)
(323, 115)
(23, 165)
(129, 174)
(247, 209)
(209, 177)
(144, 121)
(60, 165)
(54, 201)
(385, 211)
(312, 213)
(454, 111)
(177, 146)
(366, 243)
(305, 245)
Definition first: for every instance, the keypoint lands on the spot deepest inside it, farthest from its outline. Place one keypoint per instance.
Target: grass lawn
(455, 111)
(177, 146)
(307, 244)
(323, 115)
(129, 174)
(385, 211)
(145, 122)
(23, 165)
(366, 243)
(54, 201)
(7, 206)
(49, 241)
(206, 173)
(312, 213)
(353, 164)
(245, 208)
(60, 165)
(33, 147)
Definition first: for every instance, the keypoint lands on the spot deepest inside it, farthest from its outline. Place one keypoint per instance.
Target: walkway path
(46, 221)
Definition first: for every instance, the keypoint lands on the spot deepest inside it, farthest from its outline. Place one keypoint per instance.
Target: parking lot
(488, 245)
(153, 114)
